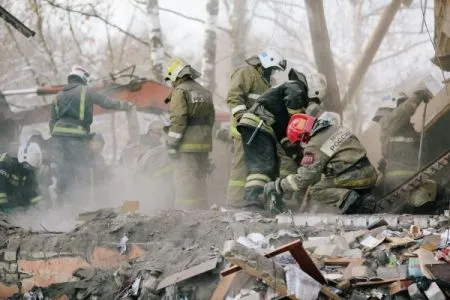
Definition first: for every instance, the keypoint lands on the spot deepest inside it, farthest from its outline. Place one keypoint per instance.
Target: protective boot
(354, 203)
(253, 199)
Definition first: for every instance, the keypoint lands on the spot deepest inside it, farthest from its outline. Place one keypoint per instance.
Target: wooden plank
(324, 290)
(223, 287)
(298, 252)
(343, 261)
(377, 282)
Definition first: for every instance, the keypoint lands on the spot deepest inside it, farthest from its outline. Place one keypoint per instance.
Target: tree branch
(40, 19)
(83, 13)
(406, 49)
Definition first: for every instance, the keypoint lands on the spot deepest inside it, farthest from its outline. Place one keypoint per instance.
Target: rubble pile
(229, 255)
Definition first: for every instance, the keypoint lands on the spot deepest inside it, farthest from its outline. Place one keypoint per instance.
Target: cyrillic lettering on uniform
(335, 141)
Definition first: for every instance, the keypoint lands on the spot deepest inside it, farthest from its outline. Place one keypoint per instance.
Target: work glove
(424, 95)
(273, 188)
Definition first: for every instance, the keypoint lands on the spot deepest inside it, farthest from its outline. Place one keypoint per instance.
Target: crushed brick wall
(22, 269)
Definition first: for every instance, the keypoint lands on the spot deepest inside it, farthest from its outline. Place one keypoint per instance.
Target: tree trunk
(322, 53)
(370, 50)
(209, 50)
(156, 43)
(238, 32)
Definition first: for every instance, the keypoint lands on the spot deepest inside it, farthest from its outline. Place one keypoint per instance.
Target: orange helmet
(299, 128)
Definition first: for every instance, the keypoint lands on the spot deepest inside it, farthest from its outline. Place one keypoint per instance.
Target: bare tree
(156, 43)
(209, 48)
(239, 32)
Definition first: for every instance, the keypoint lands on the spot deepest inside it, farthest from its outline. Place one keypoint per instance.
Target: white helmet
(317, 85)
(80, 72)
(391, 100)
(331, 117)
(31, 154)
(178, 68)
(271, 57)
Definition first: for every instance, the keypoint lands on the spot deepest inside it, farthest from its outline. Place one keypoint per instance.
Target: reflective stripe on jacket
(192, 117)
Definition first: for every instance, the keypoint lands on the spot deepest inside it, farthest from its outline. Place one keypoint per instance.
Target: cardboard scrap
(426, 258)
(130, 206)
(186, 274)
(439, 271)
(431, 242)
(396, 242)
(399, 286)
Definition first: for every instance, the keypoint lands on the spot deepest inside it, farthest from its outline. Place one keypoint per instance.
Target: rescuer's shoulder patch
(334, 142)
(308, 159)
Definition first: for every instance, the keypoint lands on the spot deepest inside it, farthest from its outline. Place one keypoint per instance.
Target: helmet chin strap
(267, 73)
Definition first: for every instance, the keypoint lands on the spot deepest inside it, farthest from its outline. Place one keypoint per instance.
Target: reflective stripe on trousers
(399, 174)
(257, 180)
(3, 198)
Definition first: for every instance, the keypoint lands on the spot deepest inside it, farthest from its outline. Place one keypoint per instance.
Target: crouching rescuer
(334, 151)
(263, 128)
(18, 184)
(189, 139)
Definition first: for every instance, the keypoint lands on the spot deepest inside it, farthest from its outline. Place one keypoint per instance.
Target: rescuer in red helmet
(335, 152)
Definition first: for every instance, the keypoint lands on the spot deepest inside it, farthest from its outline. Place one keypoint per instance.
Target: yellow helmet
(178, 68)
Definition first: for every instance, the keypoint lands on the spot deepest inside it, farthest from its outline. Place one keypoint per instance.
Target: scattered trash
(415, 232)
(371, 242)
(135, 287)
(123, 244)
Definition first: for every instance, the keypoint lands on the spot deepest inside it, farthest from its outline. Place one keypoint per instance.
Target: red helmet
(299, 128)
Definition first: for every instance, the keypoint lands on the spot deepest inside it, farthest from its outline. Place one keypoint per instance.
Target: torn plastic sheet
(123, 244)
(301, 284)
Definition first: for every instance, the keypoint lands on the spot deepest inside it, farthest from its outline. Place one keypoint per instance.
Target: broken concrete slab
(434, 292)
(353, 253)
(392, 272)
(314, 242)
(415, 293)
(256, 265)
(340, 242)
(327, 251)
(189, 273)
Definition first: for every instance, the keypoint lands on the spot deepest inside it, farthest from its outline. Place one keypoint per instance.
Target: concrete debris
(434, 292)
(175, 255)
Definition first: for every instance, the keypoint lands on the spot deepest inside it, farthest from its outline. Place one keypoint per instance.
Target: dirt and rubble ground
(85, 262)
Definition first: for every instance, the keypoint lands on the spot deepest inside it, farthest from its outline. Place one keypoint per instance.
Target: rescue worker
(189, 139)
(72, 116)
(18, 184)
(400, 144)
(334, 151)
(247, 83)
(153, 168)
(102, 172)
(264, 126)
(47, 170)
